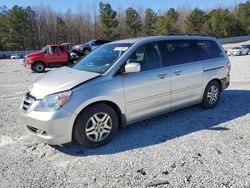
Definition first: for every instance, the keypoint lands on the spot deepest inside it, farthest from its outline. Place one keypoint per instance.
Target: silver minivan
(123, 82)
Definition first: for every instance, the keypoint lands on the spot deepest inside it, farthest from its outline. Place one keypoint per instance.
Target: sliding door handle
(177, 72)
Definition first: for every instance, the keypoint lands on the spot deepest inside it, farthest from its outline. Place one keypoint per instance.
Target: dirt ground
(192, 147)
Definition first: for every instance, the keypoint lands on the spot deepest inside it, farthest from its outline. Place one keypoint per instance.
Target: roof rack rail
(190, 34)
(177, 34)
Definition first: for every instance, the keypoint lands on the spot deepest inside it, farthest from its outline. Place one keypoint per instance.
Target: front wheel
(39, 67)
(211, 95)
(96, 125)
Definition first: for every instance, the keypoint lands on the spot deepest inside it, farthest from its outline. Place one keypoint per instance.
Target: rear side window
(98, 42)
(178, 52)
(208, 50)
(94, 43)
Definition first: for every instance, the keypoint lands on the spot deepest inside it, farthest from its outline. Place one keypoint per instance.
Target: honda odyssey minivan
(123, 82)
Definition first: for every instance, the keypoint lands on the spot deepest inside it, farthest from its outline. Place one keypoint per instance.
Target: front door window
(148, 56)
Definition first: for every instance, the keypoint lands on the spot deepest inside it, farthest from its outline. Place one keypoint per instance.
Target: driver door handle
(162, 75)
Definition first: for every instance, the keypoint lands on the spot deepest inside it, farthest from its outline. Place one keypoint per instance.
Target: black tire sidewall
(35, 69)
(81, 123)
(205, 103)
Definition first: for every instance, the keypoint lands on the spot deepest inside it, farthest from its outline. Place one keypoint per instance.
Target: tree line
(26, 28)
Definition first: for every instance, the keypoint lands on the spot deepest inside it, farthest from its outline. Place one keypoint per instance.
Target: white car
(247, 46)
(15, 56)
(238, 51)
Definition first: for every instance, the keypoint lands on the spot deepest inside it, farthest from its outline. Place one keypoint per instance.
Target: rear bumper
(225, 82)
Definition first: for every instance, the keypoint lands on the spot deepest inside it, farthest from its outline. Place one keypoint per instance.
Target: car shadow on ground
(232, 104)
(45, 71)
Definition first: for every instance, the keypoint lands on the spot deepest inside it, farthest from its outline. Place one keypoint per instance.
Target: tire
(69, 63)
(211, 95)
(96, 125)
(39, 67)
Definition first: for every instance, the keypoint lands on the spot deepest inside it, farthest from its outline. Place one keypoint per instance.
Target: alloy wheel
(212, 94)
(98, 127)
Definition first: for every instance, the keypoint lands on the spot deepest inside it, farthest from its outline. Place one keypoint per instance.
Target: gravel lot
(188, 148)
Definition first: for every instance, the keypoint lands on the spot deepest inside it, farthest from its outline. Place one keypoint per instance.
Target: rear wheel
(39, 67)
(96, 125)
(211, 95)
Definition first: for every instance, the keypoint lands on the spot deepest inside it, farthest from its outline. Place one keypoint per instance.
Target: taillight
(229, 65)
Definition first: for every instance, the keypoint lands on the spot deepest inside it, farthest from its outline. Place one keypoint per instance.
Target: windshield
(44, 49)
(235, 48)
(101, 59)
(92, 42)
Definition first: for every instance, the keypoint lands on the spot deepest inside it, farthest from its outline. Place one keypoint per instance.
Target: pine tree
(195, 21)
(243, 14)
(172, 21)
(133, 21)
(222, 24)
(160, 26)
(31, 29)
(3, 27)
(149, 21)
(17, 26)
(61, 30)
(108, 21)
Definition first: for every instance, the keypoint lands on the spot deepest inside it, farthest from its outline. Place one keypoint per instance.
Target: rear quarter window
(208, 50)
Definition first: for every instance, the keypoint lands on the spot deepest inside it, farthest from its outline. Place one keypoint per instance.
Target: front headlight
(53, 102)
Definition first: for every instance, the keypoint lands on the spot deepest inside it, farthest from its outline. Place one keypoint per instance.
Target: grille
(37, 131)
(33, 129)
(28, 100)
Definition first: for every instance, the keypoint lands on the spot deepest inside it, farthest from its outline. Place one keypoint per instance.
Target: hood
(80, 45)
(60, 80)
(76, 46)
(35, 54)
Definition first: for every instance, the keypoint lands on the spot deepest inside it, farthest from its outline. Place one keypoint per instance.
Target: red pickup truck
(50, 56)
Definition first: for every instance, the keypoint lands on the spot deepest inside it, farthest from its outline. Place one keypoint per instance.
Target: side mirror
(132, 67)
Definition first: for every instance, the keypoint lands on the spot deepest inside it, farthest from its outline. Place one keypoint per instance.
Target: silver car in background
(123, 82)
(238, 51)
